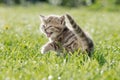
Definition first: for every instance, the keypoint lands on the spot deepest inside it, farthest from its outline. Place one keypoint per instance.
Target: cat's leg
(49, 46)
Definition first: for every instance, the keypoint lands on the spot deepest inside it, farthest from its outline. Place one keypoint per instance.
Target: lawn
(21, 40)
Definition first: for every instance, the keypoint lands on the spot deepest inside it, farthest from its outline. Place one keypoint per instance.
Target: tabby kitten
(62, 38)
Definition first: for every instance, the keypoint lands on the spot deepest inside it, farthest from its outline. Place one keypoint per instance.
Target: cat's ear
(42, 18)
(62, 18)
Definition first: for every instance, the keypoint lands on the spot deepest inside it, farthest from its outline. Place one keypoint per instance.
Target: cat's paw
(42, 50)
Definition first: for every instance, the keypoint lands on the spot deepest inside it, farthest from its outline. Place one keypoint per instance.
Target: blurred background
(21, 40)
(92, 4)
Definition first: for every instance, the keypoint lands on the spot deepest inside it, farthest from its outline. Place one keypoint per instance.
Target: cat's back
(69, 40)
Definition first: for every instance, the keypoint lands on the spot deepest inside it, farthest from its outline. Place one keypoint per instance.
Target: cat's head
(52, 25)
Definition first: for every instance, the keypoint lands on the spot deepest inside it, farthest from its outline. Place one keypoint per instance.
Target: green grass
(20, 43)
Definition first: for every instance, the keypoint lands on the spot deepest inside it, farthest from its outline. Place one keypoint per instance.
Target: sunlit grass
(20, 43)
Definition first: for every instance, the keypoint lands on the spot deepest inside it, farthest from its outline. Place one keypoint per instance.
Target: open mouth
(49, 34)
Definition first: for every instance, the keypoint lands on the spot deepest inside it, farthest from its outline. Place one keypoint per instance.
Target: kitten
(62, 38)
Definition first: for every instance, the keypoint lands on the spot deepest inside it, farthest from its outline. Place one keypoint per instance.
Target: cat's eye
(43, 26)
(50, 26)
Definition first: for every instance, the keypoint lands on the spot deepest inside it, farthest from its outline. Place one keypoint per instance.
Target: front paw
(43, 50)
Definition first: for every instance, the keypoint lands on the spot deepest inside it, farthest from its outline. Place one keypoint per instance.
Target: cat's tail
(86, 41)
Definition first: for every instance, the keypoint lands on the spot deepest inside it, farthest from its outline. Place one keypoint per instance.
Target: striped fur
(87, 43)
(61, 38)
